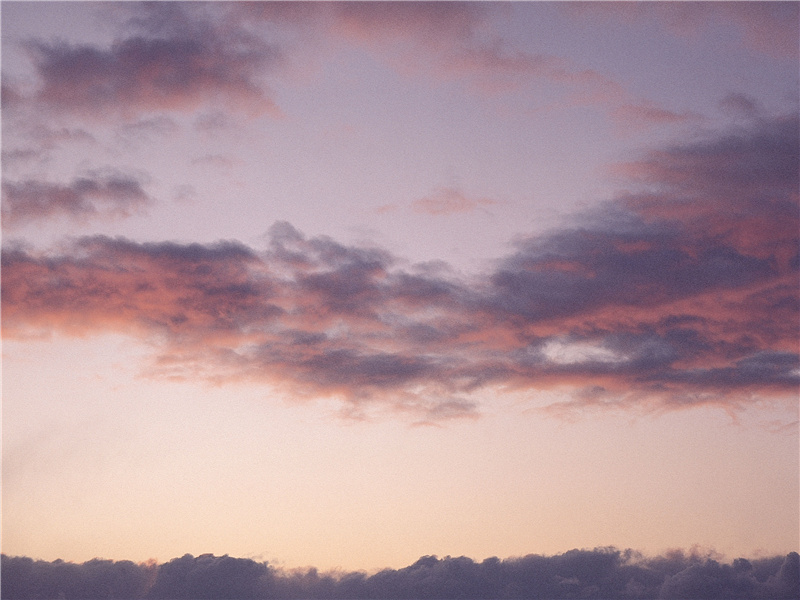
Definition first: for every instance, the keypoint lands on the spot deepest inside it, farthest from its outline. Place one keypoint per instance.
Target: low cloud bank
(606, 573)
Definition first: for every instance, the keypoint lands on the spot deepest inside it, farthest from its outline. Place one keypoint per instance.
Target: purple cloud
(173, 61)
(95, 195)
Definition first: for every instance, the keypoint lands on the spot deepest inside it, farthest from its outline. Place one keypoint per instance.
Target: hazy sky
(344, 284)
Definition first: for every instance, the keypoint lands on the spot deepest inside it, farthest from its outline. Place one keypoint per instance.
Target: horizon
(349, 284)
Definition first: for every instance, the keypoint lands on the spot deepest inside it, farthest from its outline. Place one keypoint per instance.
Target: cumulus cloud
(681, 292)
(600, 573)
(108, 194)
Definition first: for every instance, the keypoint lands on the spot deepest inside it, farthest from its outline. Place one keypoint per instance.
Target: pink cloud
(444, 40)
(448, 201)
(682, 293)
(429, 23)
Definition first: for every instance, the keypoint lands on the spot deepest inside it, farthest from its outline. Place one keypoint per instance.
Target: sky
(346, 284)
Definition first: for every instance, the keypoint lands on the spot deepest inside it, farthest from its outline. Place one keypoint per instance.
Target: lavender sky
(344, 284)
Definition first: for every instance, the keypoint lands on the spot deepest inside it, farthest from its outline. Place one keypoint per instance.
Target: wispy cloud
(451, 41)
(640, 116)
(447, 201)
(40, 140)
(109, 194)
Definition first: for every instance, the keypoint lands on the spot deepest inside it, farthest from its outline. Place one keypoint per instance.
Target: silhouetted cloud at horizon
(606, 573)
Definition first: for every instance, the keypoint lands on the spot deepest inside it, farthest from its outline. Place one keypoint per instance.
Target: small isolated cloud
(95, 195)
(448, 201)
(386, 208)
(219, 161)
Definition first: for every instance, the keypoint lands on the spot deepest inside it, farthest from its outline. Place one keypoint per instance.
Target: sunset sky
(344, 284)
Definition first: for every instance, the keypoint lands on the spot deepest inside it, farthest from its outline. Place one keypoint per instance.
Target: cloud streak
(681, 292)
(448, 201)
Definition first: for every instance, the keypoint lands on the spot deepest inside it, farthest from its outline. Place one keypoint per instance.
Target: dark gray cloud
(210, 576)
(605, 573)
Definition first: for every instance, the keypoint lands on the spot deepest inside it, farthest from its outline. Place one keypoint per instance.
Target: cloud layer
(681, 292)
(600, 573)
